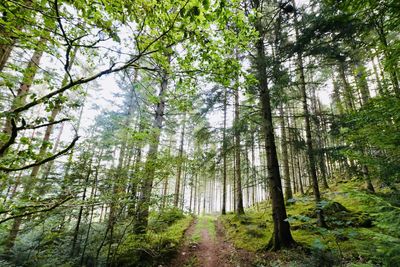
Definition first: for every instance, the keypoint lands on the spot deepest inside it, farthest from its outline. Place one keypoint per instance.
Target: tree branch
(53, 157)
(14, 134)
(36, 211)
(46, 124)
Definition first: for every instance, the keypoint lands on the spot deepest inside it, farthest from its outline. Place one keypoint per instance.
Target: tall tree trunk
(49, 130)
(281, 236)
(390, 57)
(361, 81)
(253, 168)
(224, 152)
(93, 193)
(285, 156)
(381, 90)
(27, 80)
(310, 150)
(149, 169)
(182, 199)
(74, 250)
(180, 160)
(195, 197)
(238, 169)
(347, 90)
(320, 145)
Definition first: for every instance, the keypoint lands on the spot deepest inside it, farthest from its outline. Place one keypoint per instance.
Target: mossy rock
(334, 207)
(362, 220)
(338, 215)
(331, 208)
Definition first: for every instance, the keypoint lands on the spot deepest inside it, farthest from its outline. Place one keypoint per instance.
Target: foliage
(153, 247)
(372, 136)
(165, 218)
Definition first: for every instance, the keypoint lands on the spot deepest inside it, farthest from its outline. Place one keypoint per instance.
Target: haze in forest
(199, 133)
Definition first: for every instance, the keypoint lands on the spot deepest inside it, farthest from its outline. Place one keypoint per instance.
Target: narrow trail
(205, 245)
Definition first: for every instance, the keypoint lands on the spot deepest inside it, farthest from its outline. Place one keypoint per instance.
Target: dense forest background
(123, 120)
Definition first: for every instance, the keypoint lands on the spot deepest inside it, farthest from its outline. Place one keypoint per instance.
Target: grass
(206, 223)
(351, 239)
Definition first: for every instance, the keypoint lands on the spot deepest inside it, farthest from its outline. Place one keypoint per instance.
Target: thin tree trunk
(224, 152)
(180, 160)
(348, 91)
(238, 170)
(310, 150)
(93, 193)
(74, 250)
(285, 157)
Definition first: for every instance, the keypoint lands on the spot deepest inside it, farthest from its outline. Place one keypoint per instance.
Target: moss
(247, 233)
(150, 249)
(364, 228)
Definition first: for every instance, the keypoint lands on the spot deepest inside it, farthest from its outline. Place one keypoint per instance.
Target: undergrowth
(363, 229)
(154, 247)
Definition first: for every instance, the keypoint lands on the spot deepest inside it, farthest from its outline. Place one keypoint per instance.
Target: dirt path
(206, 246)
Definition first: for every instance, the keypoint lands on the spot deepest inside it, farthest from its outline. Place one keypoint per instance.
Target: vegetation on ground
(362, 229)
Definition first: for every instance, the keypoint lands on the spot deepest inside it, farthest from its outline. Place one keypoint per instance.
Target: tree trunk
(361, 81)
(27, 80)
(347, 90)
(238, 170)
(224, 151)
(285, 157)
(310, 150)
(74, 250)
(149, 169)
(281, 236)
(180, 160)
(9, 36)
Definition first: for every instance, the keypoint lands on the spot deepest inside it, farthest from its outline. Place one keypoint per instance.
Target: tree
(281, 236)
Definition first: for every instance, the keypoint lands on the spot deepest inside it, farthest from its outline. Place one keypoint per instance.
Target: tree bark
(285, 156)
(27, 80)
(180, 159)
(281, 236)
(238, 169)
(224, 152)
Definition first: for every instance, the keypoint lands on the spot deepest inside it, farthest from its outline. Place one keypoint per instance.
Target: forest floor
(206, 245)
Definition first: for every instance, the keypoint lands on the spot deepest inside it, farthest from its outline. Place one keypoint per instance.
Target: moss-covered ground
(363, 229)
(158, 245)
